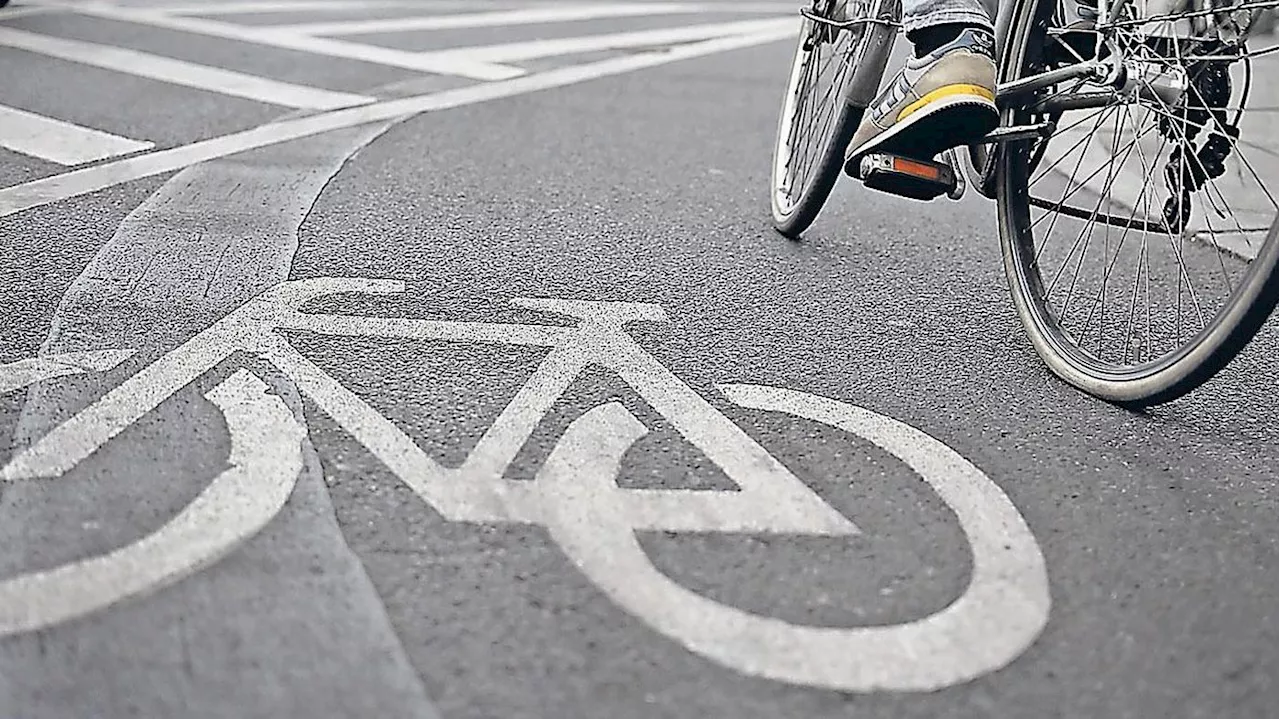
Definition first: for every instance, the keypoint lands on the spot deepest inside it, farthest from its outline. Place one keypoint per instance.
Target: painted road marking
(62, 142)
(1002, 610)
(180, 72)
(266, 457)
(11, 13)
(579, 484)
(308, 37)
(257, 7)
(79, 182)
(535, 49)
(207, 271)
(17, 375)
(575, 494)
(505, 18)
(291, 6)
(268, 36)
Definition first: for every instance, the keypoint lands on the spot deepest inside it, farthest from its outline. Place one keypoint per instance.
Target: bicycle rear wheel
(816, 123)
(1139, 237)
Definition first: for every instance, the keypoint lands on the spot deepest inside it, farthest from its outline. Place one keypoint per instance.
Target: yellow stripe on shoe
(947, 91)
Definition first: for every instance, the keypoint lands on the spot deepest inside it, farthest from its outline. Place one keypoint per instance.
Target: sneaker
(942, 100)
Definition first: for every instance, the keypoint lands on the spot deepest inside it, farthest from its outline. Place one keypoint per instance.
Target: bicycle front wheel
(816, 124)
(1139, 236)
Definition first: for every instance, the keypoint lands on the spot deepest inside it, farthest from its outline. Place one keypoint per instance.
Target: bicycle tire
(793, 220)
(1163, 379)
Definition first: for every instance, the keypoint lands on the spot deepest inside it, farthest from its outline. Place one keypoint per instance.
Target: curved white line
(266, 458)
(998, 616)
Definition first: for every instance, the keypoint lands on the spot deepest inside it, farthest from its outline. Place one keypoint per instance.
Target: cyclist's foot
(942, 100)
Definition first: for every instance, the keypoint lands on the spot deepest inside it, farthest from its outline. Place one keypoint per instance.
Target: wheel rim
(813, 105)
(1124, 294)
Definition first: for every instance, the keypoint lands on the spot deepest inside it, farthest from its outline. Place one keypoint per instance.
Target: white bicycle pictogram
(574, 495)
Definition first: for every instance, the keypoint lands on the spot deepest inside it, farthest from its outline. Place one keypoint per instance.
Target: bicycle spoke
(1106, 189)
(1057, 209)
(1078, 143)
(1088, 228)
(814, 113)
(1116, 306)
(1182, 266)
(1084, 183)
(1108, 267)
(1138, 266)
(1243, 161)
(1183, 15)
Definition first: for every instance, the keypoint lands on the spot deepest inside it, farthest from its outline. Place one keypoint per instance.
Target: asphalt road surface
(568, 431)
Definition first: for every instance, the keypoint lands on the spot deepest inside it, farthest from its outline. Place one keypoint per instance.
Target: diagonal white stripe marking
(285, 6)
(460, 67)
(253, 7)
(17, 12)
(23, 373)
(528, 16)
(79, 182)
(179, 72)
(513, 52)
(62, 142)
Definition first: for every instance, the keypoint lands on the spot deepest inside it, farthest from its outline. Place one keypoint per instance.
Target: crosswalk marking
(61, 142)
(527, 16)
(179, 72)
(516, 51)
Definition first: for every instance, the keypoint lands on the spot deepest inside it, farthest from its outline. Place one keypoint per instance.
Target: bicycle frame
(882, 22)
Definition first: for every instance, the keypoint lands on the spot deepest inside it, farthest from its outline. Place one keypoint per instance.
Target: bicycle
(1172, 90)
(574, 495)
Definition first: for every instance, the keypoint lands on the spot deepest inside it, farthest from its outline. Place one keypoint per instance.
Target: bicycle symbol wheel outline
(574, 494)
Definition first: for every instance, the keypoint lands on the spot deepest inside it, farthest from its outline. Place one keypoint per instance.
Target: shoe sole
(950, 121)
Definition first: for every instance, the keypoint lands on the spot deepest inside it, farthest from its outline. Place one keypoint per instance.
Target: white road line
(526, 16)
(27, 372)
(786, 8)
(286, 6)
(1000, 613)
(17, 12)
(79, 182)
(179, 72)
(266, 458)
(62, 142)
(460, 67)
(513, 52)
(219, 265)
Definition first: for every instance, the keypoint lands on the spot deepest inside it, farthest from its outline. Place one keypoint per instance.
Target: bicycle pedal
(905, 176)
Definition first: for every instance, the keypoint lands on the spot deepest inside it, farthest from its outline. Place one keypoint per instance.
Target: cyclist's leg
(927, 21)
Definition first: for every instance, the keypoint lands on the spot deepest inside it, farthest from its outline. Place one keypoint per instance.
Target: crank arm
(1018, 132)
